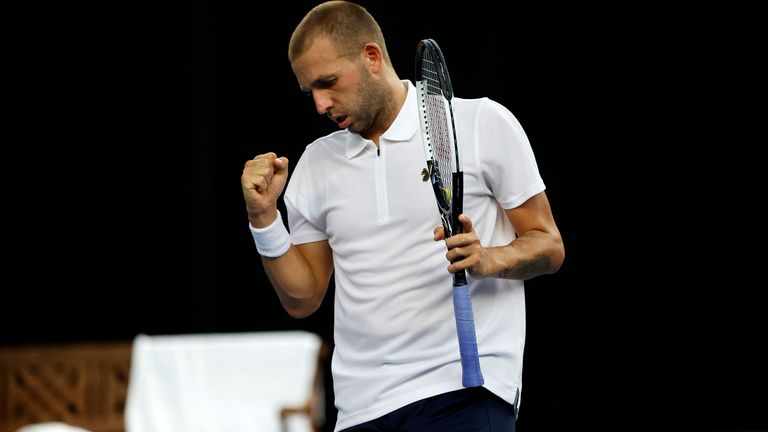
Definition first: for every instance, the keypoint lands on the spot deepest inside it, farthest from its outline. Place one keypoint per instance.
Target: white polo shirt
(394, 327)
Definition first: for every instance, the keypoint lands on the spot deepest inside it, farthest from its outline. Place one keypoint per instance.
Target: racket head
(433, 84)
(429, 51)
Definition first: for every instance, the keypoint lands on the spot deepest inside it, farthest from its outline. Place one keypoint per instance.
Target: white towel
(51, 427)
(231, 382)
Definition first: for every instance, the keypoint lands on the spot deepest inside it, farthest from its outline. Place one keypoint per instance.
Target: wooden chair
(79, 384)
(86, 385)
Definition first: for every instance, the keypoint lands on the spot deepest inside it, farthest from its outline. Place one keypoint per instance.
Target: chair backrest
(81, 384)
(224, 382)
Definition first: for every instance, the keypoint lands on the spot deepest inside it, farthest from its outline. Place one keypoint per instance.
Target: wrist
(497, 261)
(262, 220)
(271, 240)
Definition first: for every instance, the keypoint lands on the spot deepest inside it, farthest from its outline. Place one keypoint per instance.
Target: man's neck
(399, 93)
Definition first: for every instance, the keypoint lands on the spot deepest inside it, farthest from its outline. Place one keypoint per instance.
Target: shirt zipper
(381, 187)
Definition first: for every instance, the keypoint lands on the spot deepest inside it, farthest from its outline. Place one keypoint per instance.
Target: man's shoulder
(332, 143)
(479, 109)
(476, 104)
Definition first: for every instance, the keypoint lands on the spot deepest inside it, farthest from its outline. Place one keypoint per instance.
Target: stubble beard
(374, 105)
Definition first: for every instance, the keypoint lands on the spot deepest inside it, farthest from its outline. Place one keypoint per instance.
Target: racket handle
(465, 327)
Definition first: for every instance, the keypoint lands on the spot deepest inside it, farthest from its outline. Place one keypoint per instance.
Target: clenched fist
(263, 181)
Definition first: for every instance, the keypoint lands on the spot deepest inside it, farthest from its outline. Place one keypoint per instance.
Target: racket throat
(457, 202)
(460, 278)
(447, 227)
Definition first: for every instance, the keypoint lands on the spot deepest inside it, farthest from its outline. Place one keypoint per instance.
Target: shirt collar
(402, 129)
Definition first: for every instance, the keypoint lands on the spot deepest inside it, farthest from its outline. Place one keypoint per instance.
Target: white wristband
(273, 240)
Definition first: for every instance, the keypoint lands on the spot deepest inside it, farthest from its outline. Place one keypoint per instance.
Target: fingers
(468, 263)
(260, 182)
(268, 155)
(439, 233)
(261, 158)
(463, 249)
(466, 237)
(258, 172)
(466, 223)
(281, 164)
(465, 258)
(462, 252)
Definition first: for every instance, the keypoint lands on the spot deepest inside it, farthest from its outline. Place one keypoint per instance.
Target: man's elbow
(299, 313)
(557, 256)
(301, 308)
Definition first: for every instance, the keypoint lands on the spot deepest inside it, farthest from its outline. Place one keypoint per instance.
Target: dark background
(132, 123)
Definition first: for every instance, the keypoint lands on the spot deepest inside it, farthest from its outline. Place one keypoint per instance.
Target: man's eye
(327, 84)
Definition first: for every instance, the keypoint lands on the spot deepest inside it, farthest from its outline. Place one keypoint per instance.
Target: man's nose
(323, 102)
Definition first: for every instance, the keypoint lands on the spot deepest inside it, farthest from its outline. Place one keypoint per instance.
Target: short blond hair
(349, 26)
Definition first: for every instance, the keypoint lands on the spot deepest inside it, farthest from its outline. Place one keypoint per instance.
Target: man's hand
(465, 251)
(263, 181)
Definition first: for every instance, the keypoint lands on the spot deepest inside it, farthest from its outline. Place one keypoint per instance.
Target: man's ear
(374, 58)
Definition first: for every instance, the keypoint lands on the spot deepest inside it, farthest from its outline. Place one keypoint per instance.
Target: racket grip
(465, 327)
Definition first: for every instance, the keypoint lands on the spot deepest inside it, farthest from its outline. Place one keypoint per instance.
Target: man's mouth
(342, 121)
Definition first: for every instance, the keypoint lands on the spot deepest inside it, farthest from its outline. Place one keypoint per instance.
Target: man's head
(347, 25)
(338, 55)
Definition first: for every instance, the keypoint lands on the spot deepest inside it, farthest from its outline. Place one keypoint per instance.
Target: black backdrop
(132, 123)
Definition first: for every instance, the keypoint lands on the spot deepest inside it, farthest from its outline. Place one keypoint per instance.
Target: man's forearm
(532, 254)
(299, 286)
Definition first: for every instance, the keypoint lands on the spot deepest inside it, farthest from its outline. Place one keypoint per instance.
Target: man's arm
(301, 275)
(538, 248)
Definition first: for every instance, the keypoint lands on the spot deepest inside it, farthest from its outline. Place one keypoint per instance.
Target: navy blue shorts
(466, 410)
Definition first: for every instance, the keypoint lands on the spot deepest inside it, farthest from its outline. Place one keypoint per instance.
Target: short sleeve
(506, 159)
(304, 221)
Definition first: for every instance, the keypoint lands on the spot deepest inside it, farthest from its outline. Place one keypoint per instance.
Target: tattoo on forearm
(527, 269)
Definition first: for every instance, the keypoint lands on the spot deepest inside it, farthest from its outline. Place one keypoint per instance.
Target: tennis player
(359, 209)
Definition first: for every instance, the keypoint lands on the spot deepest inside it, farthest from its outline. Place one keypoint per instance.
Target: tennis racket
(442, 152)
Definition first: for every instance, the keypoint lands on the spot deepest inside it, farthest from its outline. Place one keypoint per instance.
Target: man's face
(342, 88)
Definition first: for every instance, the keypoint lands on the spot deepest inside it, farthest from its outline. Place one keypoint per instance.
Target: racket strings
(437, 117)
